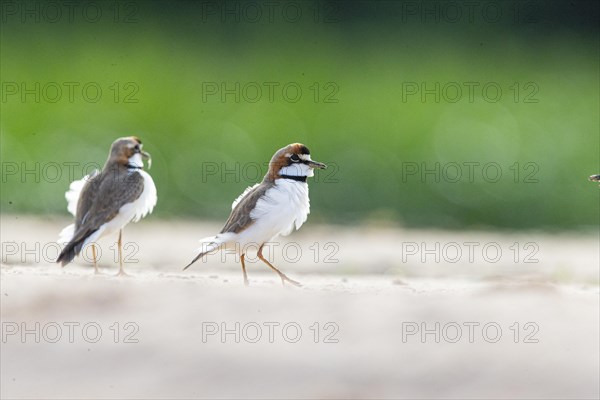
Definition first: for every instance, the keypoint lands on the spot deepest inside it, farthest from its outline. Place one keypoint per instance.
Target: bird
(276, 206)
(103, 202)
(594, 178)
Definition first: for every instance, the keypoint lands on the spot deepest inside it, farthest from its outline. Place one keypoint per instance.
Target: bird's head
(292, 160)
(127, 151)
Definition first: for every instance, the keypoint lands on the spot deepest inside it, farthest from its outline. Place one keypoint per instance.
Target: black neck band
(295, 178)
(129, 166)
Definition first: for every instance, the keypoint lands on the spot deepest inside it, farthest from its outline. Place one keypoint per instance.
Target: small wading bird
(268, 209)
(105, 201)
(595, 178)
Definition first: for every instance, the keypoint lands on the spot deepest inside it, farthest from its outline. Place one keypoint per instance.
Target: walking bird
(276, 206)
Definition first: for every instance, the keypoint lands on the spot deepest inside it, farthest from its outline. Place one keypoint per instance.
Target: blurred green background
(360, 66)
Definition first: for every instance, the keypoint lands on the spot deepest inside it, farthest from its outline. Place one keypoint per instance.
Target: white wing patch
(74, 192)
(66, 234)
(241, 196)
(72, 195)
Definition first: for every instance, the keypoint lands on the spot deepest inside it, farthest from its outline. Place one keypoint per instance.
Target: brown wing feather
(116, 190)
(104, 196)
(86, 199)
(239, 219)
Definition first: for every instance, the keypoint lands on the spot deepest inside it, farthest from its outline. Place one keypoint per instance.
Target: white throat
(298, 169)
(136, 160)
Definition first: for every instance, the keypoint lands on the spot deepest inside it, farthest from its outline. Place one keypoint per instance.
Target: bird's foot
(122, 274)
(285, 279)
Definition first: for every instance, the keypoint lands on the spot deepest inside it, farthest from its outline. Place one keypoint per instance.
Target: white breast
(144, 204)
(283, 207)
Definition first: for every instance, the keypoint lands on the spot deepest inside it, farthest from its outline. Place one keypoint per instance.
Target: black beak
(316, 164)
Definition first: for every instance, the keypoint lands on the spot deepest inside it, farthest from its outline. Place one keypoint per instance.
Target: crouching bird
(268, 209)
(105, 201)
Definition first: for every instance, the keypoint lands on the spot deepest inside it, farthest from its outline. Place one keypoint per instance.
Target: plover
(268, 209)
(594, 178)
(105, 201)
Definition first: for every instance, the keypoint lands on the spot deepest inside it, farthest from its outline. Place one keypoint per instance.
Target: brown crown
(280, 160)
(122, 149)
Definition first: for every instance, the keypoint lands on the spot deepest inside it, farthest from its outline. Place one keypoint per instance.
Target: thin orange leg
(283, 277)
(121, 271)
(244, 271)
(96, 271)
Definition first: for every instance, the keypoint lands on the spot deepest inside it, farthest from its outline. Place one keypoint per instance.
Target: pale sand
(369, 294)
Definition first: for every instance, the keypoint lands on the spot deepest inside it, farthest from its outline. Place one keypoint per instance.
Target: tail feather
(70, 251)
(74, 246)
(199, 256)
(208, 245)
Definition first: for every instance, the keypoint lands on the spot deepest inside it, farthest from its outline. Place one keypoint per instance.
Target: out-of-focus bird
(268, 209)
(105, 201)
(594, 178)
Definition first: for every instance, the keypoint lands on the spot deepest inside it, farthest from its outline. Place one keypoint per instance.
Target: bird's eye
(136, 147)
(295, 158)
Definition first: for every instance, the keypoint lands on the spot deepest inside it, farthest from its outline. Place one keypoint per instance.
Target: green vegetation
(356, 112)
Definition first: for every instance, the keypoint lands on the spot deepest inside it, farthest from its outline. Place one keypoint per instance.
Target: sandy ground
(378, 316)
